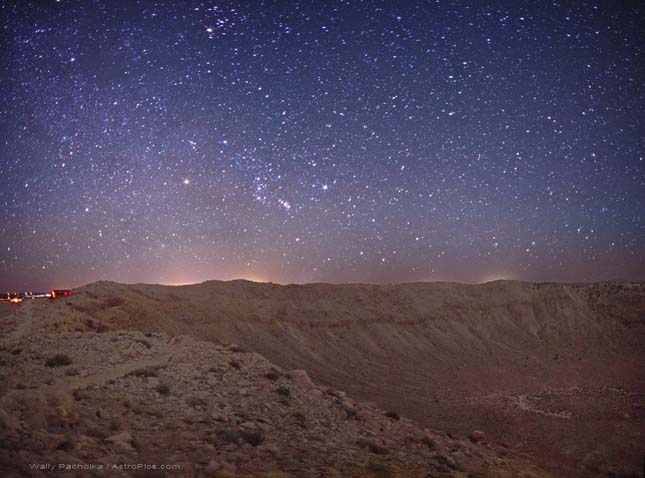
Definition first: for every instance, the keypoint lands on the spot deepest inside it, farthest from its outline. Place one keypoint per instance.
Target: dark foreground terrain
(430, 379)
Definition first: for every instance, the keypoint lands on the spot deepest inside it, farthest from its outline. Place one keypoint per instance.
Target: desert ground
(247, 379)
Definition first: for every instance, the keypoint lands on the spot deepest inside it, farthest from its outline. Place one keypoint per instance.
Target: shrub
(350, 413)
(114, 302)
(58, 360)
(163, 389)
(66, 445)
(392, 415)
(284, 391)
(142, 372)
(197, 402)
(380, 470)
(334, 393)
(116, 424)
(429, 442)
(272, 375)
(80, 394)
(142, 409)
(254, 438)
(96, 432)
(373, 446)
(231, 436)
(299, 417)
(144, 342)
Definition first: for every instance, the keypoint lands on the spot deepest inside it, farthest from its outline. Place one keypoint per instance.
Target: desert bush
(113, 302)
(380, 470)
(299, 417)
(116, 424)
(142, 409)
(66, 445)
(96, 432)
(196, 402)
(230, 436)
(163, 389)
(429, 442)
(58, 360)
(448, 461)
(284, 391)
(144, 342)
(350, 413)
(79, 394)
(334, 393)
(272, 375)
(142, 372)
(254, 438)
(281, 313)
(372, 446)
(393, 415)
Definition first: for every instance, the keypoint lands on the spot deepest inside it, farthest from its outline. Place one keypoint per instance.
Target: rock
(373, 446)
(271, 448)
(302, 379)
(477, 436)
(219, 417)
(6, 421)
(212, 467)
(227, 470)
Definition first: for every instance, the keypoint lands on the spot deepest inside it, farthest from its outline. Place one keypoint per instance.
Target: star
(359, 131)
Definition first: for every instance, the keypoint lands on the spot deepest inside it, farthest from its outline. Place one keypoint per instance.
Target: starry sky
(306, 141)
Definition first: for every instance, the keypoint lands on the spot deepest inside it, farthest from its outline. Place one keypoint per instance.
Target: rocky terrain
(125, 398)
(526, 379)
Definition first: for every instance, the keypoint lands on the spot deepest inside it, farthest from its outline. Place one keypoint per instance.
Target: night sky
(363, 141)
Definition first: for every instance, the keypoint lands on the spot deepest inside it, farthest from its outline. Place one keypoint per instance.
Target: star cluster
(172, 142)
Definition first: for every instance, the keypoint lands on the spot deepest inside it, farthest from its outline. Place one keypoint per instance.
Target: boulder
(477, 436)
(302, 379)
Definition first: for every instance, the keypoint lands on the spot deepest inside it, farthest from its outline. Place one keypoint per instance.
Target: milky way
(369, 141)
